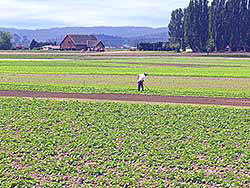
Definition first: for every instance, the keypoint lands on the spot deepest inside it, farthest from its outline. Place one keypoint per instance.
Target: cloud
(47, 13)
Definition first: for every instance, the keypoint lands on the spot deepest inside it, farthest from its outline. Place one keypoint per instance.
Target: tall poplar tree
(175, 27)
(204, 22)
(243, 24)
(196, 25)
(189, 34)
(248, 28)
(216, 24)
(233, 24)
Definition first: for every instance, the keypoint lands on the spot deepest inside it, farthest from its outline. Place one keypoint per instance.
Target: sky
(38, 14)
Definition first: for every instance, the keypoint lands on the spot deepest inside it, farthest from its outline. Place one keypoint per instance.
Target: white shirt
(141, 77)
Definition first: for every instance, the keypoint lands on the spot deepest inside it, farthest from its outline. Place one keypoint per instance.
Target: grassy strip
(122, 67)
(99, 76)
(73, 144)
(159, 71)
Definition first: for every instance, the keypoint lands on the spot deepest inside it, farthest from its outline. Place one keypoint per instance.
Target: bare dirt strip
(129, 97)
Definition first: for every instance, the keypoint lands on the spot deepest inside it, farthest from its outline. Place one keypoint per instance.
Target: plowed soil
(129, 97)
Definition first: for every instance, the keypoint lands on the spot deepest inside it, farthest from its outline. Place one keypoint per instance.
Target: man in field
(140, 80)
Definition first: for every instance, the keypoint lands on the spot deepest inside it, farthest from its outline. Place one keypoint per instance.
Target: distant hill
(111, 36)
(115, 41)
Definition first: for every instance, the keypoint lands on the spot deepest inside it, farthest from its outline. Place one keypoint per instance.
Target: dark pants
(140, 85)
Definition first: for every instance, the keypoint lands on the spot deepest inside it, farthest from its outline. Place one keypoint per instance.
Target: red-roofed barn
(82, 42)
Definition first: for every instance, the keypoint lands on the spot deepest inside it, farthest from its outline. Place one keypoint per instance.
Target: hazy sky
(60, 13)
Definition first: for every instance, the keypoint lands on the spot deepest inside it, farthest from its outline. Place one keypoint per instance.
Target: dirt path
(128, 97)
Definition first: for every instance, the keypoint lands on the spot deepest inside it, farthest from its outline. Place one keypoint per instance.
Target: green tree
(196, 25)
(233, 20)
(204, 22)
(175, 27)
(248, 28)
(33, 44)
(243, 24)
(217, 24)
(5, 41)
(189, 34)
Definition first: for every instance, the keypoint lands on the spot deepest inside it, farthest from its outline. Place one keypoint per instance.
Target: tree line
(8, 42)
(34, 45)
(156, 46)
(219, 26)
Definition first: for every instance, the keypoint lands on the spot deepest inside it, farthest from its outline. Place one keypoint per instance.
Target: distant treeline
(157, 46)
(219, 26)
(115, 41)
(37, 45)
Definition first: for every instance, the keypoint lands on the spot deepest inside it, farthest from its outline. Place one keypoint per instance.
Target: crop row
(213, 77)
(205, 67)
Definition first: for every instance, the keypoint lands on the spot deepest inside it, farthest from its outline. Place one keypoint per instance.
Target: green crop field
(46, 143)
(179, 76)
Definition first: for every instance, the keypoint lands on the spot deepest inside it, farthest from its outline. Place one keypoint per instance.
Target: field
(69, 144)
(73, 143)
(170, 76)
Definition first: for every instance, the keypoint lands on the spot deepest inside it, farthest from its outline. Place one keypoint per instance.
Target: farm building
(82, 42)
